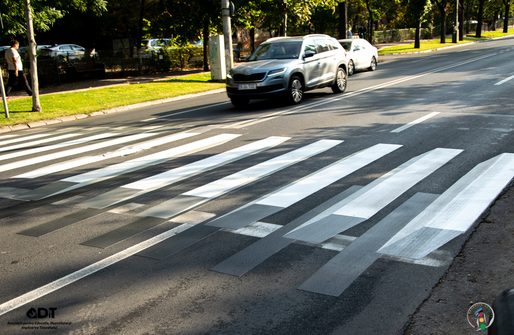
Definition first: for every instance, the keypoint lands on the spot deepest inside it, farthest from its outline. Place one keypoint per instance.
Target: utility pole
(227, 33)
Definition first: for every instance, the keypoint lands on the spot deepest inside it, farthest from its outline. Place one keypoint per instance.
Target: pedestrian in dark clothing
(15, 69)
(362, 31)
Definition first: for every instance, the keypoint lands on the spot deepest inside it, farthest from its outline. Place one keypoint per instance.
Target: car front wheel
(339, 85)
(373, 65)
(351, 68)
(295, 89)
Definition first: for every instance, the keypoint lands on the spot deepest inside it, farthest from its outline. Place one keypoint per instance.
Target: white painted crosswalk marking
(28, 141)
(219, 187)
(39, 159)
(41, 149)
(300, 189)
(372, 198)
(93, 159)
(455, 211)
(170, 177)
(91, 177)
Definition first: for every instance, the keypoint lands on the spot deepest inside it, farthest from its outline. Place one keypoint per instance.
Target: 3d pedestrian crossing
(417, 227)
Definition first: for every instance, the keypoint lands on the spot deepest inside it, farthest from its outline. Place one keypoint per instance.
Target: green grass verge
(436, 43)
(87, 102)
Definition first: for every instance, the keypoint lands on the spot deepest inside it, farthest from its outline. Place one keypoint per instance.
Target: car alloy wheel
(373, 65)
(351, 68)
(296, 90)
(340, 83)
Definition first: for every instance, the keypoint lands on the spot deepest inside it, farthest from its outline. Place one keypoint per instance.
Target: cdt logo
(41, 313)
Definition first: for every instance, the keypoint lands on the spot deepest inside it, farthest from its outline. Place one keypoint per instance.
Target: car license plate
(247, 86)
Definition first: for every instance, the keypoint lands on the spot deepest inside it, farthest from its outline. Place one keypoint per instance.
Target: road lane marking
(92, 159)
(415, 122)
(239, 179)
(23, 139)
(300, 189)
(455, 211)
(368, 201)
(87, 271)
(111, 171)
(172, 176)
(504, 81)
(336, 275)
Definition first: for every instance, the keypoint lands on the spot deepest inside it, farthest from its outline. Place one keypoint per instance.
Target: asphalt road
(336, 216)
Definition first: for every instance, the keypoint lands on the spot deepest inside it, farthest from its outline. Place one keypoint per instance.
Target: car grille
(251, 77)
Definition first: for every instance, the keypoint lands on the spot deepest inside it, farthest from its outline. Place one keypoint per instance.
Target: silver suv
(289, 66)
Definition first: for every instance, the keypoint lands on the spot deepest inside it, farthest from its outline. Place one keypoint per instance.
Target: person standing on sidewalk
(15, 69)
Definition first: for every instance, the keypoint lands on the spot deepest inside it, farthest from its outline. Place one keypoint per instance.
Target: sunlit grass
(436, 43)
(86, 102)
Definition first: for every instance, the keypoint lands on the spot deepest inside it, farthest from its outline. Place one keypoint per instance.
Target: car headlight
(277, 72)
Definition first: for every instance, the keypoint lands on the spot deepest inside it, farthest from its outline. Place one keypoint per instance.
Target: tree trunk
(342, 29)
(36, 105)
(480, 18)
(506, 18)
(417, 38)
(442, 9)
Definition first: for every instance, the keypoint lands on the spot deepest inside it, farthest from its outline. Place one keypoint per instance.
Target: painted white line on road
(238, 179)
(298, 190)
(93, 159)
(390, 186)
(56, 155)
(36, 150)
(504, 81)
(180, 173)
(455, 211)
(417, 121)
(88, 270)
(21, 139)
(152, 159)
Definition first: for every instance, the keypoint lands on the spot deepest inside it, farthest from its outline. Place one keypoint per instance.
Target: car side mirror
(308, 54)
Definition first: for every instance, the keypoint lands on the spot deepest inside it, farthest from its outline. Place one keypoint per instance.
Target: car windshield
(277, 50)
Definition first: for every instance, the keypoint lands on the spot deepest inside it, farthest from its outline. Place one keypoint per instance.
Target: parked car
(23, 51)
(289, 66)
(153, 45)
(362, 55)
(64, 51)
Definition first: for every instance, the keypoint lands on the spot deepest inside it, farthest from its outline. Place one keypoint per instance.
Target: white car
(362, 55)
